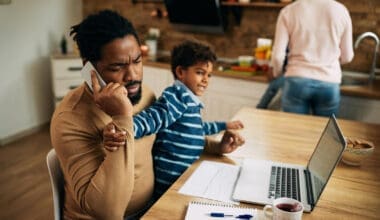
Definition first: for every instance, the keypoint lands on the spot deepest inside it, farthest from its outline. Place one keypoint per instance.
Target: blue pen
(222, 215)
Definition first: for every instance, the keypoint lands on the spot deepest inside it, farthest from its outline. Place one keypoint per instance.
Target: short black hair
(189, 53)
(97, 30)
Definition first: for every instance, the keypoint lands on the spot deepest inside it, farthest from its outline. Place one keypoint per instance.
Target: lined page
(201, 211)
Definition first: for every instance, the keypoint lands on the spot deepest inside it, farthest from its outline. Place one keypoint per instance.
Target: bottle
(63, 45)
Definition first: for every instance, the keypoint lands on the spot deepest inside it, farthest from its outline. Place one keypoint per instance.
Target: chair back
(57, 183)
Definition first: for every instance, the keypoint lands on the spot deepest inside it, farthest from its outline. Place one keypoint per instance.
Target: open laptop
(261, 181)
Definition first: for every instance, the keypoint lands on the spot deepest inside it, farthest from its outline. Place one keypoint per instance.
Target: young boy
(176, 118)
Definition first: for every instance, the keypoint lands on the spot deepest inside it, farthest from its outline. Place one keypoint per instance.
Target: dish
(356, 150)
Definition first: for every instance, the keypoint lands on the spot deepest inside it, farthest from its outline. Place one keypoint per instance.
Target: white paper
(201, 211)
(212, 180)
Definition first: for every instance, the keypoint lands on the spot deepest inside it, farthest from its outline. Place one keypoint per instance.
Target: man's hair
(189, 53)
(97, 30)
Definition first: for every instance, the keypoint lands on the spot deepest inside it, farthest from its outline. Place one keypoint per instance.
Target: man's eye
(114, 69)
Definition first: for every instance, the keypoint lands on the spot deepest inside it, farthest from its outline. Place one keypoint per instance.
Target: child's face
(195, 77)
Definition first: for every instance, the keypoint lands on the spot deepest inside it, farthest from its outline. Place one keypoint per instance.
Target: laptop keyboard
(284, 182)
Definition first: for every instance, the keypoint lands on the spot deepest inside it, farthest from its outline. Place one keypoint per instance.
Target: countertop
(364, 91)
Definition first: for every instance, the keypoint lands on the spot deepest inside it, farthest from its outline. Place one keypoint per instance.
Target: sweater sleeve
(211, 128)
(101, 182)
(346, 48)
(280, 44)
(164, 112)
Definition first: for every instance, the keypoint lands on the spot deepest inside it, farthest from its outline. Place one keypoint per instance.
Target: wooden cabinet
(157, 78)
(255, 3)
(65, 75)
(360, 109)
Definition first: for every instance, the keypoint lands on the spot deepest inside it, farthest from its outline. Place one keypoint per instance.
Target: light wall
(30, 32)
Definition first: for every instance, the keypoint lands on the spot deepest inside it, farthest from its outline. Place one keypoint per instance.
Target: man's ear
(179, 72)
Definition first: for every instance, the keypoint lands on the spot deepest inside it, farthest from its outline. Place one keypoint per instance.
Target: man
(318, 34)
(101, 184)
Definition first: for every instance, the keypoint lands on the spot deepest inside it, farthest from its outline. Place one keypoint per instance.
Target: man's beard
(137, 97)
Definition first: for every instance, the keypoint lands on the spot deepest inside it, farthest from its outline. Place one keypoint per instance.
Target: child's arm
(164, 112)
(211, 128)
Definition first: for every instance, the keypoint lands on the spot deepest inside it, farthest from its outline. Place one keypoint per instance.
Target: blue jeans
(271, 91)
(302, 95)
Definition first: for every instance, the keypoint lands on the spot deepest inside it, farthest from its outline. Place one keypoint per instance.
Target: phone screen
(86, 75)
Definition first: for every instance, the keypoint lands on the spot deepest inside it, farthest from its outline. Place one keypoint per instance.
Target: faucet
(372, 73)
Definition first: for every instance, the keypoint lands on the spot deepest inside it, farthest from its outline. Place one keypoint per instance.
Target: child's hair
(189, 53)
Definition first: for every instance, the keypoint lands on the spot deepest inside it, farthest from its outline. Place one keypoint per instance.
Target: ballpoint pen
(222, 215)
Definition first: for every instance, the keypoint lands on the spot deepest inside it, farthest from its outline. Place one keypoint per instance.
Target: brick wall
(241, 39)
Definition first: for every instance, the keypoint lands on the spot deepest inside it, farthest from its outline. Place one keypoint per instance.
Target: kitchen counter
(364, 91)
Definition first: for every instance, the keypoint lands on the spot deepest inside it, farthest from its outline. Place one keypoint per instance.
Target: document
(212, 180)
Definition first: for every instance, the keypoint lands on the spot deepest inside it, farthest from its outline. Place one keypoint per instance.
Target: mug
(284, 209)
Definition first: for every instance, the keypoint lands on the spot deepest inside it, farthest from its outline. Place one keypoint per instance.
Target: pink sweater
(319, 36)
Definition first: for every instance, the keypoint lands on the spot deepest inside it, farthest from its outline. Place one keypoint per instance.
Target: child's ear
(179, 72)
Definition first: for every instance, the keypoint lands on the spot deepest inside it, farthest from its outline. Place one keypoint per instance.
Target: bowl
(245, 61)
(356, 151)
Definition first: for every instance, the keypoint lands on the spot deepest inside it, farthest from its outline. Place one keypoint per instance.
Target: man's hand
(113, 138)
(112, 99)
(234, 125)
(230, 141)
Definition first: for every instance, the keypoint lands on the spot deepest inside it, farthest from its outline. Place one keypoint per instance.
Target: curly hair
(97, 30)
(189, 53)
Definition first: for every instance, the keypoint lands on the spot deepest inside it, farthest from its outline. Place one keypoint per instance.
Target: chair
(57, 183)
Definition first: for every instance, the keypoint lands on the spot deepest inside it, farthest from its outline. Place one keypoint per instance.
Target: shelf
(256, 4)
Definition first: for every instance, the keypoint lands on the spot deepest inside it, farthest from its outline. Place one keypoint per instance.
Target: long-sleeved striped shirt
(176, 119)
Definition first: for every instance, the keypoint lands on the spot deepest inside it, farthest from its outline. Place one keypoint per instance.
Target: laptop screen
(326, 156)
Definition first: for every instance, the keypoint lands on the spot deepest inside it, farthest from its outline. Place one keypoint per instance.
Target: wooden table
(351, 193)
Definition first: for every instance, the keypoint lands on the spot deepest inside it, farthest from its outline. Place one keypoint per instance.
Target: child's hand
(234, 125)
(231, 140)
(113, 138)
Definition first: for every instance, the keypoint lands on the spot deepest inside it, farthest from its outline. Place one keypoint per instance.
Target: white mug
(284, 209)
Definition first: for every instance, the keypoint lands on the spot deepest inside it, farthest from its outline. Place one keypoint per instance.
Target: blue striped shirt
(176, 119)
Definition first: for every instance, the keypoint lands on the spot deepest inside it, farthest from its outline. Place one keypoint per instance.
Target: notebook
(261, 181)
(204, 210)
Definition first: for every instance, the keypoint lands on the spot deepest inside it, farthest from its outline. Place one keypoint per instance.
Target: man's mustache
(132, 83)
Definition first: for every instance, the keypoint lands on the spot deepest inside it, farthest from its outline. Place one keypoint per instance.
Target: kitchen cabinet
(255, 4)
(157, 78)
(360, 109)
(65, 75)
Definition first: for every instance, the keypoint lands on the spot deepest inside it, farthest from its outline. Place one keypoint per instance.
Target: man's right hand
(112, 99)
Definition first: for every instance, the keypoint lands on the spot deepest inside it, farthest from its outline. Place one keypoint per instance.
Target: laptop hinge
(309, 188)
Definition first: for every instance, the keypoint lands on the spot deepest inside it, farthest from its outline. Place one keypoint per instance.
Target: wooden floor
(25, 190)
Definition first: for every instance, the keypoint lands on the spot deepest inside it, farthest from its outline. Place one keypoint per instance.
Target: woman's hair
(97, 30)
(189, 53)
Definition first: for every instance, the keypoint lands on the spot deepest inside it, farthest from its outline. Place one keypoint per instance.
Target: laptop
(261, 181)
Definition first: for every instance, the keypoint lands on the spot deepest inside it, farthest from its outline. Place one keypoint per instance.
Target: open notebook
(203, 210)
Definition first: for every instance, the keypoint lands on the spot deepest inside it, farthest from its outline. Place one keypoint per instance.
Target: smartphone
(86, 75)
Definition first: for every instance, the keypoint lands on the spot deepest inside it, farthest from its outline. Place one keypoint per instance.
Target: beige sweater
(100, 184)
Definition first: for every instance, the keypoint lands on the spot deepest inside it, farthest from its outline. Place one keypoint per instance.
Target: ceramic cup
(284, 209)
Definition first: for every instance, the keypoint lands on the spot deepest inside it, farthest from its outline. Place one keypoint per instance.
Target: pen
(222, 215)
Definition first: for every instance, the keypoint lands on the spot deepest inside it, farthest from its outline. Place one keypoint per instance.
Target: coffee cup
(284, 209)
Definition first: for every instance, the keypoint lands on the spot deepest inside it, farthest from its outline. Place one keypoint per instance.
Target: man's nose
(130, 73)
